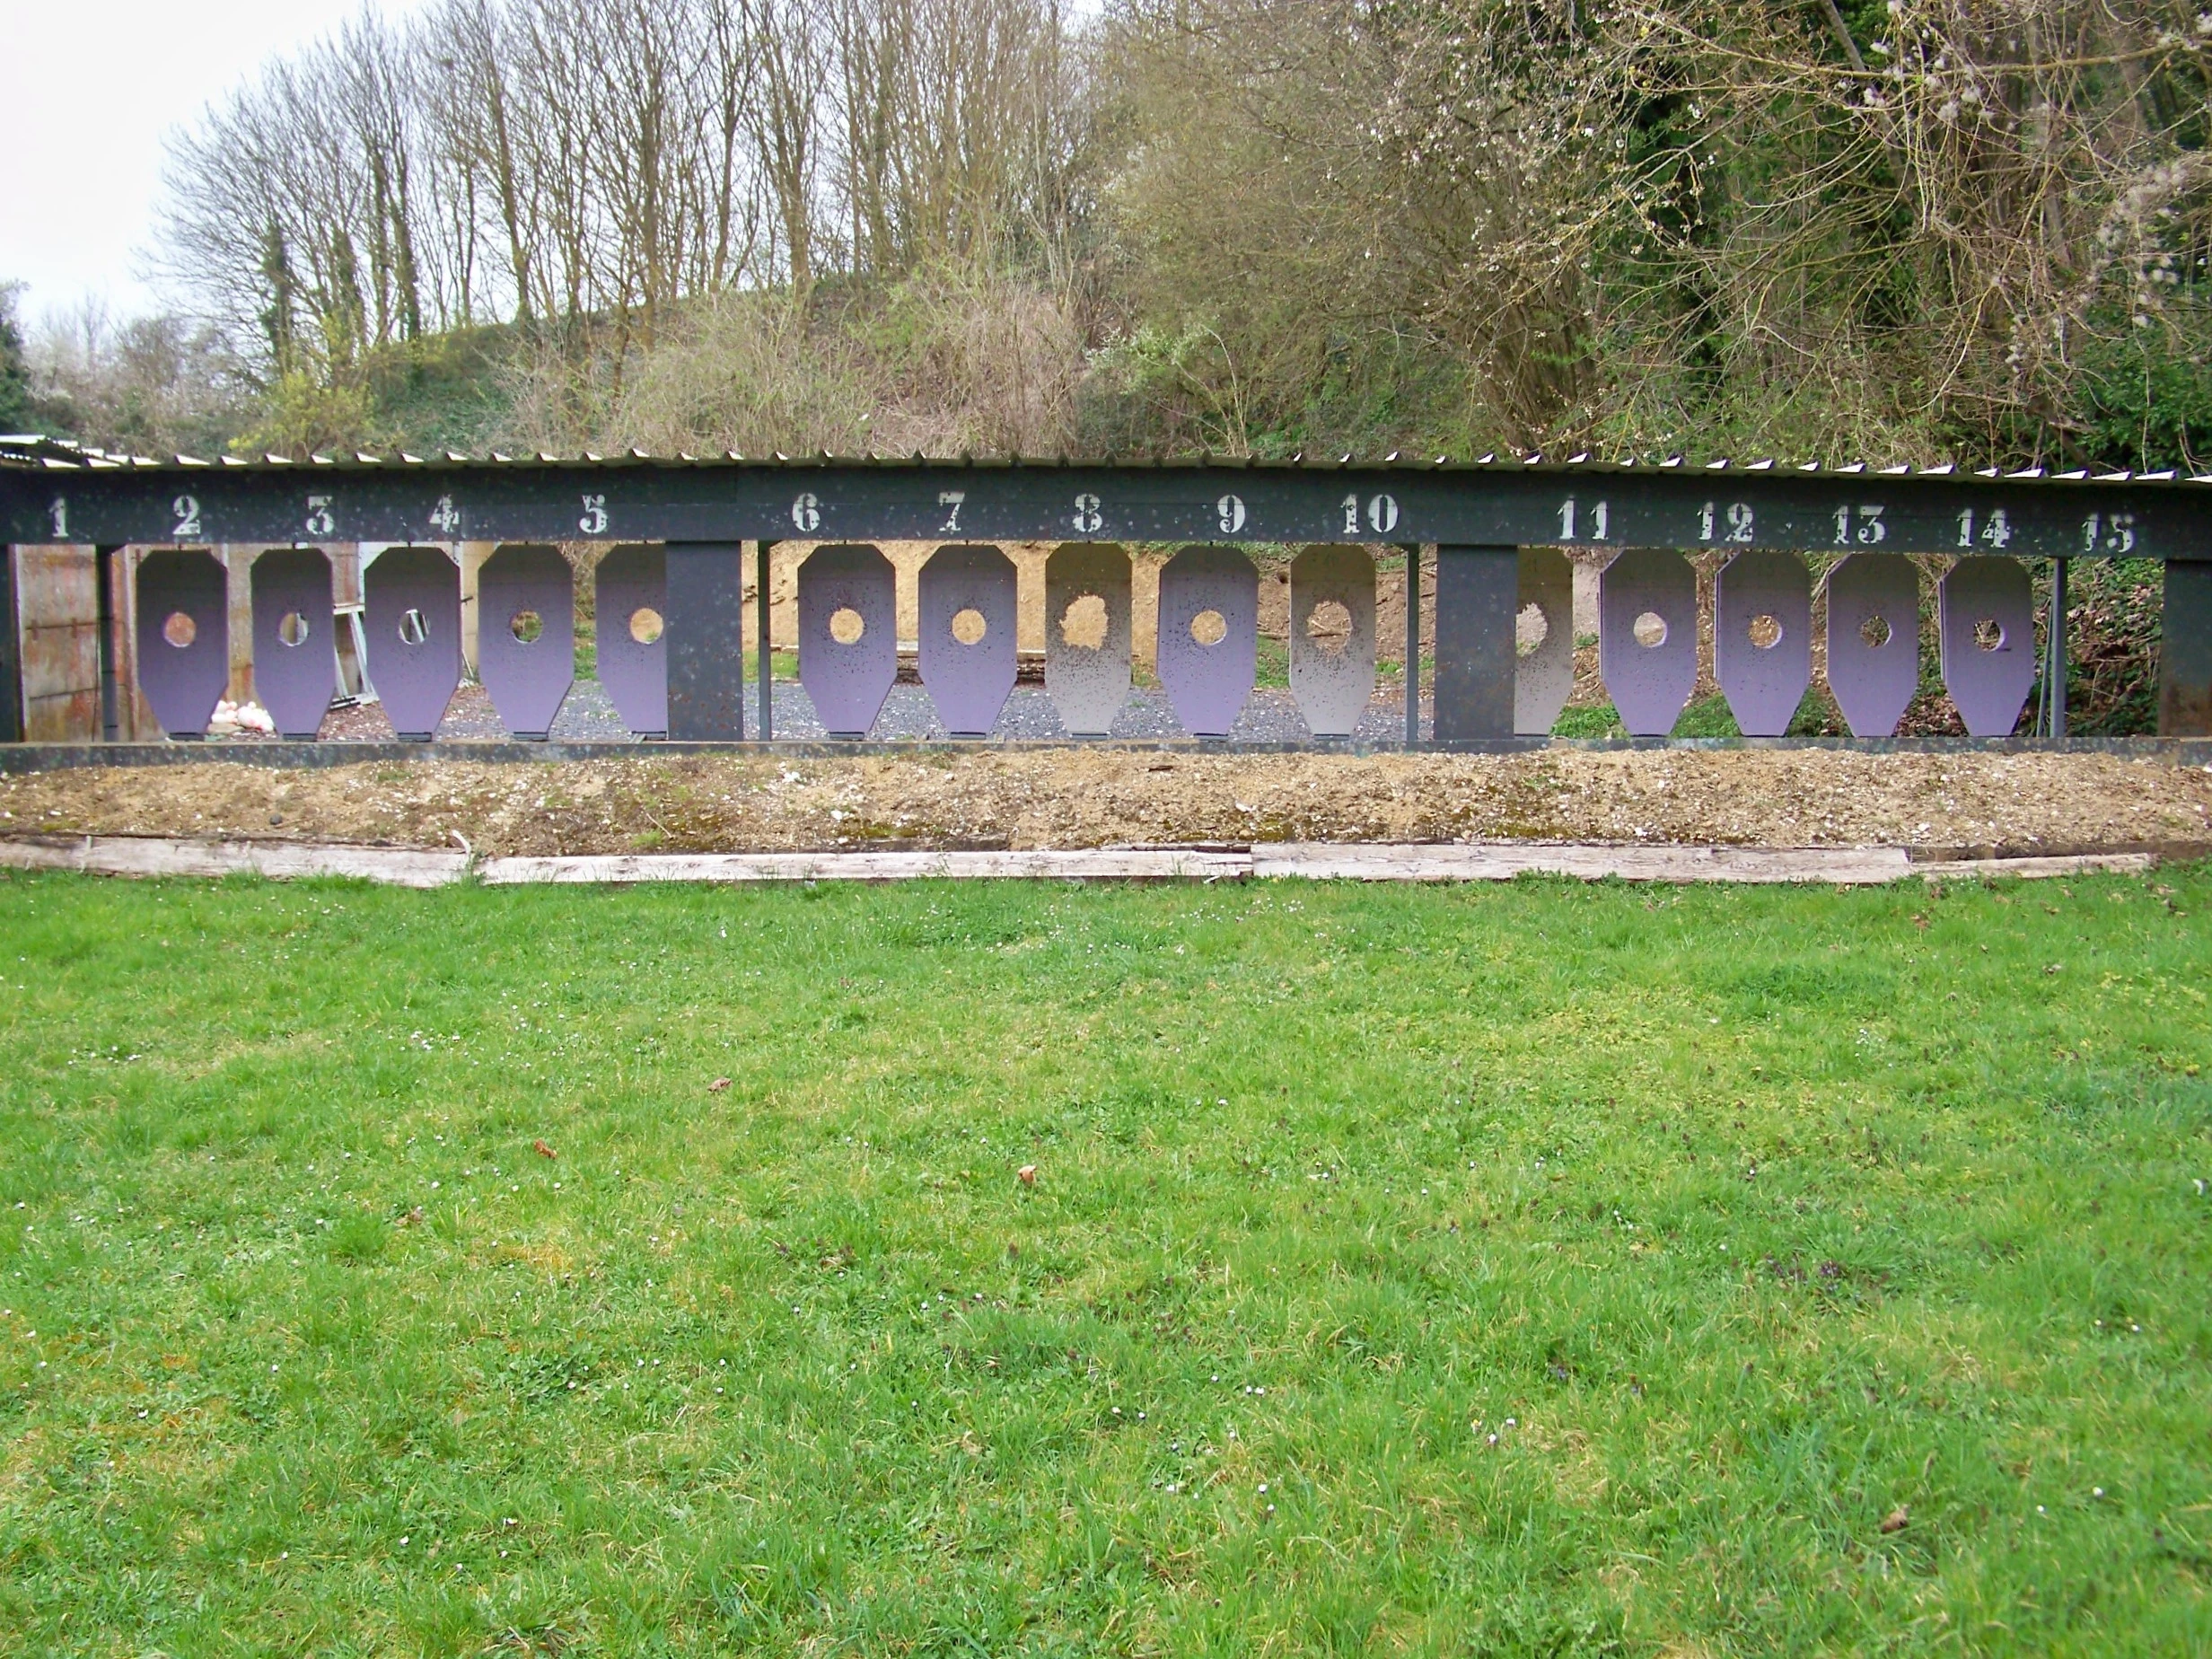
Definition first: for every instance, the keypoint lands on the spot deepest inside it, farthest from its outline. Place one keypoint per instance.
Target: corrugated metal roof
(32, 450)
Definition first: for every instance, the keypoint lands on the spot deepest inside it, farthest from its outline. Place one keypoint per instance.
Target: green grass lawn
(1525, 1269)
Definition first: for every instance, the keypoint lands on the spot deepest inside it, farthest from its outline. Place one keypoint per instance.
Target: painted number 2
(1381, 515)
(186, 511)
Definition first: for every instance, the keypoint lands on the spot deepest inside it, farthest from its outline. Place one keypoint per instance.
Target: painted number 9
(1229, 514)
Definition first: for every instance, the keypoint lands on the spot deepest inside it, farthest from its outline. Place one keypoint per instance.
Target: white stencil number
(318, 520)
(59, 512)
(1089, 520)
(1600, 521)
(446, 517)
(950, 498)
(806, 512)
(2114, 535)
(1229, 514)
(1738, 526)
(1996, 532)
(186, 509)
(594, 521)
(1381, 515)
(1863, 525)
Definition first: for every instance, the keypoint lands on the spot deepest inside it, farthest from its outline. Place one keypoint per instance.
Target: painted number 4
(445, 516)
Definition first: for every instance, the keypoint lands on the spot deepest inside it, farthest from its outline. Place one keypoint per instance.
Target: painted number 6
(806, 513)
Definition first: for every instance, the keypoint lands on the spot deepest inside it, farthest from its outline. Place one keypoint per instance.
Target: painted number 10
(1381, 515)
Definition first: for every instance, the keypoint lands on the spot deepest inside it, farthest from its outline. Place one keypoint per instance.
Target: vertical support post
(2054, 654)
(2185, 651)
(705, 634)
(11, 654)
(103, 578)
(1477, 592)
(762, 612)
(1413, 640)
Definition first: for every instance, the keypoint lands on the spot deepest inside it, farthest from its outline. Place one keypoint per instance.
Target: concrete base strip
(131, 855)
(1100, 865)
(151, 856)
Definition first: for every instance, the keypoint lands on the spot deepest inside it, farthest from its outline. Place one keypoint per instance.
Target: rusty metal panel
(183, 637)
(1545, 677)
(630, 610)
(2185, 651)
(1647, 637)
(413, 603)
(1874, 640)
(966, 612)
(1089, 592)
(526, 635)
(706, 633)
(1986, 620)
(1332, 637)
(848, 635)
(1762, 639)
(1477, 658)
(294, 658)
(1207, 651)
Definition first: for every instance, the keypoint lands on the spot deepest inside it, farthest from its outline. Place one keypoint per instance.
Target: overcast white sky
(86, 92)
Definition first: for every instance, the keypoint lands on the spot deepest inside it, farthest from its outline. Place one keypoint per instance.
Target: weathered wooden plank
(1093, 864)
(1503, 861)
(278, 860)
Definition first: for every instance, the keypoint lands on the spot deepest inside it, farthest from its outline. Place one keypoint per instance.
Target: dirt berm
(1987, 804)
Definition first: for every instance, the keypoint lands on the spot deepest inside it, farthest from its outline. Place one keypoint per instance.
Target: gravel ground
(1270, 716)
(1986, 803)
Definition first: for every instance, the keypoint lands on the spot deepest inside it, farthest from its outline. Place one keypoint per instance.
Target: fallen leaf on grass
(1894, 1521)
(718, 1085)
(410, 1218)
(542, 1150)
(1027, 1174)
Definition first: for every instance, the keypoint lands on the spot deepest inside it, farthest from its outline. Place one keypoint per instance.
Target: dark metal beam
(2185, 652)
(1502, 505)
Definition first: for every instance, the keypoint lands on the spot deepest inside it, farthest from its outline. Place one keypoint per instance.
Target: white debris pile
(241, 717)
